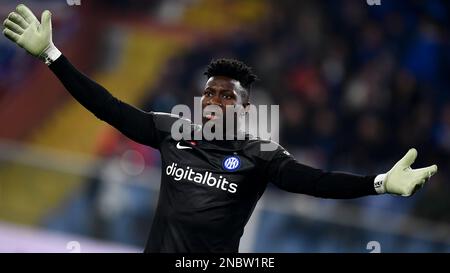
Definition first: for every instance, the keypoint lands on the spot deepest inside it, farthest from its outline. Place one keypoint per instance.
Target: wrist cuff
(50, 54)
(379, 183)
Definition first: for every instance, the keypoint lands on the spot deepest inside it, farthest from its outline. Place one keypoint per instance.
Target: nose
(215, 101)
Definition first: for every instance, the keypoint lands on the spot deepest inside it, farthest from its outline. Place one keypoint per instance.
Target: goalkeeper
(208, 188)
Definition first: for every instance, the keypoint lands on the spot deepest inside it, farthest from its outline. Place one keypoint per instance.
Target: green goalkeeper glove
(23, 28)
(403, 180)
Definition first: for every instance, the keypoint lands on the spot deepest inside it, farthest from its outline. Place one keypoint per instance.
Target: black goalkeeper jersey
(208, 188)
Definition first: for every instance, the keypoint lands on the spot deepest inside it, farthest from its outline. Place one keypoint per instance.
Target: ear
(246, 107)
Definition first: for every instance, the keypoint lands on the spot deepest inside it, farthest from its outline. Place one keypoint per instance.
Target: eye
(228, 97)
(208, 93)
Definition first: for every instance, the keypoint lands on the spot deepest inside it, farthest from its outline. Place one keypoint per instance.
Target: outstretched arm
(23, 28)
(299, 178)
(293, 176)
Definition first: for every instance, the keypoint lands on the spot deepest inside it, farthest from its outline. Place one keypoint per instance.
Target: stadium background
(358, 85)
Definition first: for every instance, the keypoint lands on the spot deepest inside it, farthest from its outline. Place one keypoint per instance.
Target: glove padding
(401, 179)
(23, 28)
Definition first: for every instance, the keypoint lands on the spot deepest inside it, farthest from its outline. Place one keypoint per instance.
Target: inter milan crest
(231, 163)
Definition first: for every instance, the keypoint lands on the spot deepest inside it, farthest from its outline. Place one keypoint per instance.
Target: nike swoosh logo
(182, 147)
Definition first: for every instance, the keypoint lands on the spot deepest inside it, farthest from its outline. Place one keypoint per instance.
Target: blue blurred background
(358, 85)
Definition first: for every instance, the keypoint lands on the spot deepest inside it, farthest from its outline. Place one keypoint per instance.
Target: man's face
(222, 91)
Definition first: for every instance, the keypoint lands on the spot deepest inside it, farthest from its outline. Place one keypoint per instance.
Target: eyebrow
(219, 89)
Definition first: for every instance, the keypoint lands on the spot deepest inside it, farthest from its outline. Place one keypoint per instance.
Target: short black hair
(234, 69)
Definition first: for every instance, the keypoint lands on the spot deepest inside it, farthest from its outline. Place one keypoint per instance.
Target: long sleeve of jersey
(132, 122)
(290, 175)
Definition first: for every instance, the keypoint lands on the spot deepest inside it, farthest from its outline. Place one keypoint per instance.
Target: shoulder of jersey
(264, 148)
(164, 121)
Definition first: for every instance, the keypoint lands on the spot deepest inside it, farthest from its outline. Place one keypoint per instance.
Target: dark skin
(223, 91)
